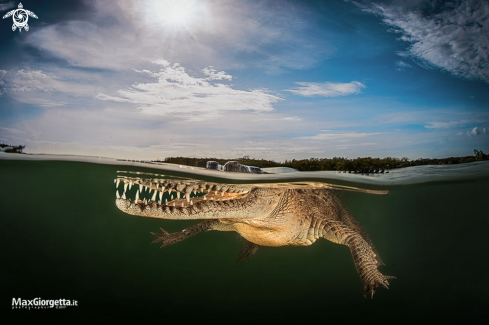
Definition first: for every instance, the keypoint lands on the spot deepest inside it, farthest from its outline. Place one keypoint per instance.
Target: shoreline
(398, 176)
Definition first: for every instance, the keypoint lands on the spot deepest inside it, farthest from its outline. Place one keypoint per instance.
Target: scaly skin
(275, 215)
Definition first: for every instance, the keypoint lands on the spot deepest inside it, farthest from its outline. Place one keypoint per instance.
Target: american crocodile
(274, 215)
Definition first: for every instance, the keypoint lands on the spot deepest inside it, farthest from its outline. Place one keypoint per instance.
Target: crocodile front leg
(167, 239)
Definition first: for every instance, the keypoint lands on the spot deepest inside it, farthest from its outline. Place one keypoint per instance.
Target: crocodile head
(188, 199)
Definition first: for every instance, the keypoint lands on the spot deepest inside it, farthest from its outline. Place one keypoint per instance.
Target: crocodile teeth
(137, 197)
(125, 187)
(124, 195)
(205, 198)
(145, 201)
(154, 196)
(178, 194)
(222, 193)
(191, 203)
(166, 201)
(161, 195)
(117, 194)
(182, 205)
(188, 197)
(117, 183)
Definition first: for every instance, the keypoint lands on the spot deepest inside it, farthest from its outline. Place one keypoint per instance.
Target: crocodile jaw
(218, 201)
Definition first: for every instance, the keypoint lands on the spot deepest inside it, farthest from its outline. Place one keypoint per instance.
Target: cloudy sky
(227, 78)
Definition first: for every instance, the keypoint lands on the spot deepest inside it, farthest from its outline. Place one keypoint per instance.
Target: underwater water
(63, 237)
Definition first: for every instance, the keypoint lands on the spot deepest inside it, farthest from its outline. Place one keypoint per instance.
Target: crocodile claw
(377, 280)
(165, 238)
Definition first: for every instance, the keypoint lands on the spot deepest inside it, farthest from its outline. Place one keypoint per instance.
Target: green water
(63, 237)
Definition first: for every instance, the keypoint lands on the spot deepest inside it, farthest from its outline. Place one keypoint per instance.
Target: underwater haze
(62, 237)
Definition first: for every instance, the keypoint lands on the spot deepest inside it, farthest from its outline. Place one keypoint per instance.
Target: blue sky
(268, 79)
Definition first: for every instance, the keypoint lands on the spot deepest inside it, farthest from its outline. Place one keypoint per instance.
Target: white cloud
(334, 136)
(291, 118)
(445, 125)
(453, 37)
(33, 87)
(472, 133)
(11, 130)
(277, 117)
(28, 80)
(327, 89)
(84, 44)
(475, 131)
(7, 6)
(214, 75)
(401, 65)
(47, 89)
(175, 92)
(398, 118)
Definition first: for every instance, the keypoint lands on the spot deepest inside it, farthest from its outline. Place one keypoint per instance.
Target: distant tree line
(11, 148)
(201, 162)
(3, 145)
(336, 163)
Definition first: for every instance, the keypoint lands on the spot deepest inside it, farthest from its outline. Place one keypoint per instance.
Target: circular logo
(20, 18)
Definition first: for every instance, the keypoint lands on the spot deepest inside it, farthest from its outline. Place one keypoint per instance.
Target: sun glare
(178, 12)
